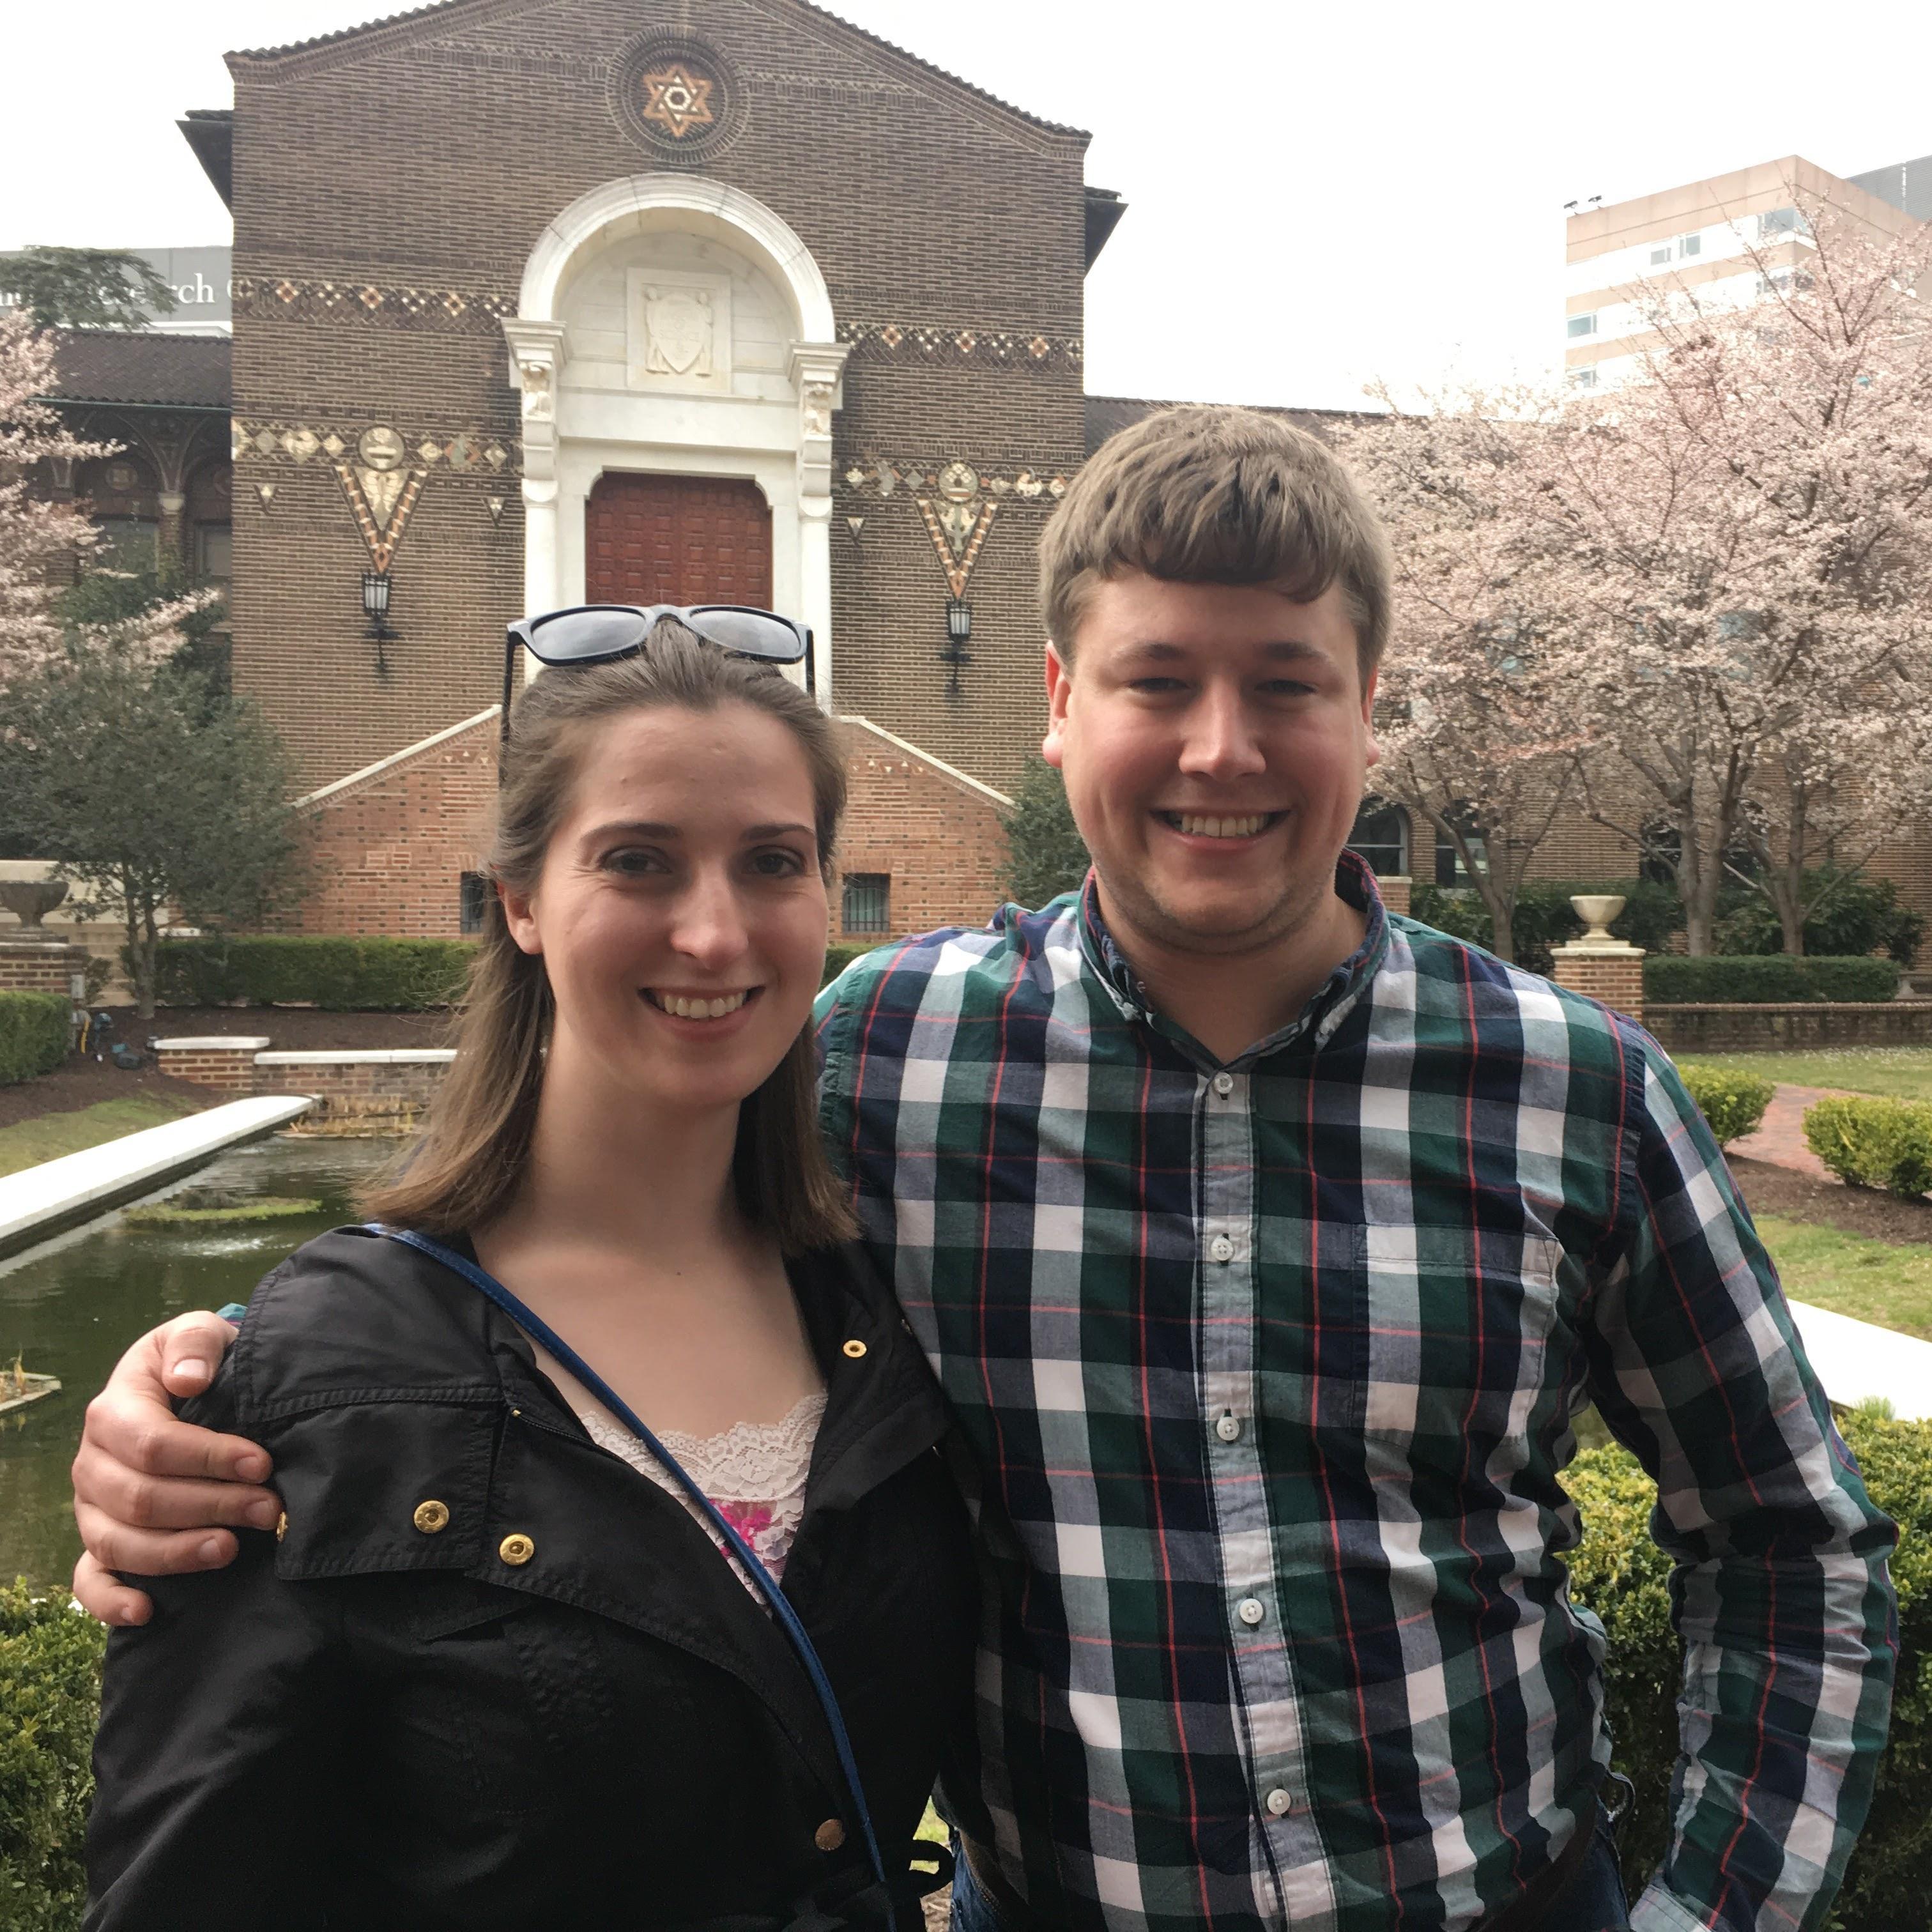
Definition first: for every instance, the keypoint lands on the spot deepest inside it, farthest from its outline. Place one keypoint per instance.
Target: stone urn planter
(1596, 909)
(32, 900)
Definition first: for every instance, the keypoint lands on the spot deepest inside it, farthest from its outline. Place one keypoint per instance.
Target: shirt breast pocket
(1460, 1326)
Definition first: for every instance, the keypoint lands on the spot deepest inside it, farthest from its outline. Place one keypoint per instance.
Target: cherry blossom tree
(1480, 734)
(1752, 517)
(41, 540)
(1704, 593)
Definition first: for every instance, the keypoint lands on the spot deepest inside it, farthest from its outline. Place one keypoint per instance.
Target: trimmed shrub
(1873, 1143)
(337, 975)
(1622, 1575)
(838, 958)
(34, 1034)
(1852, 977)
(1773, 979)
(1733, 1104)
(1857, 914)
(49, 1691)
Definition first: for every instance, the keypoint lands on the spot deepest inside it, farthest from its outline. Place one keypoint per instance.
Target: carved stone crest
(678, 329)
(679, 325)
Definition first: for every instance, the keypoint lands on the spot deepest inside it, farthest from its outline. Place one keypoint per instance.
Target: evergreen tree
(1045, 855)
(85, 288)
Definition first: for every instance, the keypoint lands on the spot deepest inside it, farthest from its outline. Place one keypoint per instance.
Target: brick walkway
(1780, 1138)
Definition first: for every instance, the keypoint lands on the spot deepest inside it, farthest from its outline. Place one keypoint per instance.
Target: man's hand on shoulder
(154, 1495)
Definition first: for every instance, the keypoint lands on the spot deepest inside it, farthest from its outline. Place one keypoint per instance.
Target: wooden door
(677, 540)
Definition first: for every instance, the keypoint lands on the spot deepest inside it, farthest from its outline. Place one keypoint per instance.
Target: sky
(1318, 196)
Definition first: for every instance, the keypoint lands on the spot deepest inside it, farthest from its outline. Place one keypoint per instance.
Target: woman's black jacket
(380, 1717)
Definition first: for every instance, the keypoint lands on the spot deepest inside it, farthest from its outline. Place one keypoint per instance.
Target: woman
(495, 1669)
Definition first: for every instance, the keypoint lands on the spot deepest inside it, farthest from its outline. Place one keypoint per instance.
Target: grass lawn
(28, 1143)
(1898, 1073)
(1889, 1282)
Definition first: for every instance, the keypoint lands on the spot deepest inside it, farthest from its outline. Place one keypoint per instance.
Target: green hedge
(1620, 1573)
(34, 1034)
(1765, 980)
(338, 975)
(49, 1690)
(838, 958)
(1733, 1104)
(1874, 1143)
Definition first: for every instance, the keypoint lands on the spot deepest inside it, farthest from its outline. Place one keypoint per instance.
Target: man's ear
(1375, 750)
(1059, 686)
(519, 915)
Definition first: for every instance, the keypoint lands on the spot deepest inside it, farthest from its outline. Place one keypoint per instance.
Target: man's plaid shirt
(1269, 1369)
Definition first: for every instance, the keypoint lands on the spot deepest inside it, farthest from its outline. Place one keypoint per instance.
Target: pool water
(70, 1307)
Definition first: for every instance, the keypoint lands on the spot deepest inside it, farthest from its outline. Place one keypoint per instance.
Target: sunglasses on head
(590, 633)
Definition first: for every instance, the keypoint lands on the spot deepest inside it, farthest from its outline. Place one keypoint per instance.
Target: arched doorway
(669, 325)
(677, 540)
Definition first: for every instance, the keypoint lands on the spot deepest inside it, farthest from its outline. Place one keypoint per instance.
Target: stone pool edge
(39, 1202)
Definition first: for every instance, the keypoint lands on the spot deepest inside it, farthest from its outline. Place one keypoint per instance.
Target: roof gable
(351, 43)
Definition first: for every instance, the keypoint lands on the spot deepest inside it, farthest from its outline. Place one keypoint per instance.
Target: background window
(214, 552)
(1690, 244)
(1450, 872)
(1582, 325)
(1582, 379)
(867, 906)
(1382, 837)
(1780, 221)
(1659, 257)
(474, 901)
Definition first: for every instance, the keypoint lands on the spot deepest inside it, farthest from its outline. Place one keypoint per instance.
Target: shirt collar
(1330, 1004)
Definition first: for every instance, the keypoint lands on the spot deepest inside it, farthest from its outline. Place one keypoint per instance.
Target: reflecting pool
(70, 1308)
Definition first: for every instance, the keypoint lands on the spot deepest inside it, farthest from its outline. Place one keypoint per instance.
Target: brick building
(732, 302)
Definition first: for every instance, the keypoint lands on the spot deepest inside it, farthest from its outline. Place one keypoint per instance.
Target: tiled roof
(806, 6)
(126, 365)
(1107, 416)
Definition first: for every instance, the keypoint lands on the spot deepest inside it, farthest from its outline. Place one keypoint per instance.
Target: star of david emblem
(678, 99)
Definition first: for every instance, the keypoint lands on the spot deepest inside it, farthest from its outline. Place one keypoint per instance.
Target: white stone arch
(572, 437)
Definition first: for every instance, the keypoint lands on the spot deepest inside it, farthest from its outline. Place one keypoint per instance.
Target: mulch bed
(82, 1082)
(290, 1029)
(1857, 1210)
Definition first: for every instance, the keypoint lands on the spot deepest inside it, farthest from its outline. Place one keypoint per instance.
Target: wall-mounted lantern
(958, 634)
(375, 608)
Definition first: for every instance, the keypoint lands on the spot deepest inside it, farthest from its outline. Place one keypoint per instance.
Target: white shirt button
(1224, 1084)
(1249, 1610)
(1279, 1802)
(1229, 1427)
(1221, 1248)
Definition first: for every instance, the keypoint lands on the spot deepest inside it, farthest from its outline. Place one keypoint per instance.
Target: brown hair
(1206, 494)
(475, 1147)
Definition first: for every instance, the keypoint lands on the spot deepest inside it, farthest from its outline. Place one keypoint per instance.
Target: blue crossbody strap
(487, 1284)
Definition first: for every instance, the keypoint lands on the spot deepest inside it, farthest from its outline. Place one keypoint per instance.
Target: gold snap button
(431, 1516)
(516, 1549)
(281, 1526)
(829, 1836)
(855, 1349)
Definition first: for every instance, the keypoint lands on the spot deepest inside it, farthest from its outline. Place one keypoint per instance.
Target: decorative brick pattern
(913, 342)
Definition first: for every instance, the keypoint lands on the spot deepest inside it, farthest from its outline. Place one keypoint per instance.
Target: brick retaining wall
(1747, 1029)
(346, 1082)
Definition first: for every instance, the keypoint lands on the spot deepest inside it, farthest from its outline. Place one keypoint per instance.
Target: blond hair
(1206, 494)
(475, 1148)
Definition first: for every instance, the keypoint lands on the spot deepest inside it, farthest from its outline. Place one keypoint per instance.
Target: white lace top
(755, 1473)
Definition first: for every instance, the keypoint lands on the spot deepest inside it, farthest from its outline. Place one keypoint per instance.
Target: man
(1265, 1245)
